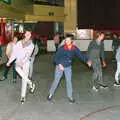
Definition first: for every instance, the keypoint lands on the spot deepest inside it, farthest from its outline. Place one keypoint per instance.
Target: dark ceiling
(99, 14)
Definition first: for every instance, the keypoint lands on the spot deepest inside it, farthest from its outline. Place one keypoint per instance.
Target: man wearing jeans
(63, 60)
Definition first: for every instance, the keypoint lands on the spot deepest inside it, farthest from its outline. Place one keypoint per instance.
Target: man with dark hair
(95, 53)
(21, 54)
(63, 60)
(56, 40)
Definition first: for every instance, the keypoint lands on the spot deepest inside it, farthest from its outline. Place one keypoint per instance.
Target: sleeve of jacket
(102, 51)
(90, 47)
(13, 55)
(81, 56)
(35, 51)
(57, 56)
(117, 56)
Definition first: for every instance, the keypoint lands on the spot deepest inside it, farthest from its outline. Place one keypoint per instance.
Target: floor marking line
(97, 111)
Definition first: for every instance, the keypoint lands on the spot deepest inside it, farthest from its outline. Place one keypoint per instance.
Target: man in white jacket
(21, 53)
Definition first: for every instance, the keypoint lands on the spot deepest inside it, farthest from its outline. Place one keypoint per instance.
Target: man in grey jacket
(95, 54)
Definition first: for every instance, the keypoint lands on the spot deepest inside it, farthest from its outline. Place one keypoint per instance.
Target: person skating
(95, 54)
(21, 54)
(63, 60)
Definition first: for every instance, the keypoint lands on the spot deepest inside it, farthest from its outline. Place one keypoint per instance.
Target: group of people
(24, 51)
(21, 55)
(63, 60)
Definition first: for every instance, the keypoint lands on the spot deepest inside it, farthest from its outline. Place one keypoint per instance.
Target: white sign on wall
(84, 34)
(81, 44)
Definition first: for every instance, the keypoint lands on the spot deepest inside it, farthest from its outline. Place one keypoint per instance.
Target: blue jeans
(58, 74)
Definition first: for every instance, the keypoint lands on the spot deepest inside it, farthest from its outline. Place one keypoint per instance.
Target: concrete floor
(90, 105)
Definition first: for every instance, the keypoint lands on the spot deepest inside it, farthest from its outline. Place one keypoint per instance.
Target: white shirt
(21, 53)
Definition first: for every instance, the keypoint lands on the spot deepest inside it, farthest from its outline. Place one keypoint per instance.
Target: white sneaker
(33, 88)
(95, 89)
(116, 85)
(49, 97)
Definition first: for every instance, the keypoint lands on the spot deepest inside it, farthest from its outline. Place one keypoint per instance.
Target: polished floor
(90, 105)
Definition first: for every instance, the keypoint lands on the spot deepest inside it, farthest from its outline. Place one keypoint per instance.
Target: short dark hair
(28, 29)
(98, 34)
(70, 36)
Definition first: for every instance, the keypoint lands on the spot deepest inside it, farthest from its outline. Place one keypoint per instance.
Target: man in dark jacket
(95, 53)
(63, 60)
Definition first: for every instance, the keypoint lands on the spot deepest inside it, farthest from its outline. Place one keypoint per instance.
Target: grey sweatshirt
(95, 50)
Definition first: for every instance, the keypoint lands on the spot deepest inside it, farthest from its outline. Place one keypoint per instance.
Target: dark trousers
(97, 73)
(7, 70)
